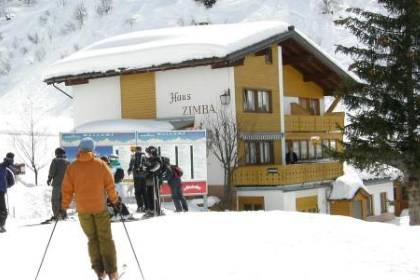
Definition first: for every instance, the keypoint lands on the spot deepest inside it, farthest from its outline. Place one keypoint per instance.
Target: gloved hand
(118, 206)
(49, 182)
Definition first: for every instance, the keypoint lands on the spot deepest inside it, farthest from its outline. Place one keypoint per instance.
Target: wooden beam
(262, 52)
(78, 81)
(318, 77)
(297, 59)
(228, 64)
(334, 104)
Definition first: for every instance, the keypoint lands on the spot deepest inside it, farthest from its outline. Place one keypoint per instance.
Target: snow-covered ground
(212, 245)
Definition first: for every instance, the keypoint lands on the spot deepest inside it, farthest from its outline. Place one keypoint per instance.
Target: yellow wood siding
(253, 200)
(307, 204)
(256, 74)
(327, 122)
(258, 175)
(341, 207)
(345, 207)
(138, 96)
(295, 86)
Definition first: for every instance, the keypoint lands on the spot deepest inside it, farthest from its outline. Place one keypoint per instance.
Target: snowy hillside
(45, 31)
(212, 245)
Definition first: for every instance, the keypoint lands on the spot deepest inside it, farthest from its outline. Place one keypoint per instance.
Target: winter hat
(10, 156)
(87, 144)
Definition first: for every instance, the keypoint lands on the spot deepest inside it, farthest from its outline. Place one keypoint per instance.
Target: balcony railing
(302, 123)
(277, 175)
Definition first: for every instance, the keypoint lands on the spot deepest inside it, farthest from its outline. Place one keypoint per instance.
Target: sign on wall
(186, 149)
(106, 144)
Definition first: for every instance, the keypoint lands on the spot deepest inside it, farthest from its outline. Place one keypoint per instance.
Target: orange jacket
(88, 178)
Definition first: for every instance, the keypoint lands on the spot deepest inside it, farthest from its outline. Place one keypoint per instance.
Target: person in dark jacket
(155, 174)
(291, 157)
(175, 185)
(139, 177)
(7, 179)
(56, 173)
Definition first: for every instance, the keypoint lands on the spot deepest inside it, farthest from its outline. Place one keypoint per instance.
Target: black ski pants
(3, 209)
(177, 197)
(140, 192)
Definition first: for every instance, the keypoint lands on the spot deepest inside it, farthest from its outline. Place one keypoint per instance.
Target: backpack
(139, 160)
(177, 171)
(119, 175)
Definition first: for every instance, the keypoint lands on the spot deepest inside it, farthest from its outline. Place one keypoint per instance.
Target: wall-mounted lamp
(225, 97)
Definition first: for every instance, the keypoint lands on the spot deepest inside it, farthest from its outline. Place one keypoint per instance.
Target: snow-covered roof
(346, 187)
(124, 125)
(161, 48)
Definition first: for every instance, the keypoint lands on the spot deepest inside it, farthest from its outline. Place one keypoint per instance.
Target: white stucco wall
(287, 101)
(376, 190)
(100, 99)
(196, 92)
(273, 199)
(286, 201)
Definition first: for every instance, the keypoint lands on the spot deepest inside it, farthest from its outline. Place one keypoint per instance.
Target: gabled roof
(219, 45)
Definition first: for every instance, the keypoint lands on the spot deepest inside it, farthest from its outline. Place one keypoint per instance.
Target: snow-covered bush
(329, 6)
(5, 66)
(80, 14)
(131, 21)
(40, 54)
(104, 7)
(34, 38)
(68, 28)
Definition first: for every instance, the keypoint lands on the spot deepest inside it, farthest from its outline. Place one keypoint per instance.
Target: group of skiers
(149, 172)
(91, 181)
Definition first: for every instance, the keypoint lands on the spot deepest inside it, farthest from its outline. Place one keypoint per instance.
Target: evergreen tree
(384, 106)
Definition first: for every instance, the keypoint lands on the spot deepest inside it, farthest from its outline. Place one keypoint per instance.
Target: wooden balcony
(277, 175)
(305, 123)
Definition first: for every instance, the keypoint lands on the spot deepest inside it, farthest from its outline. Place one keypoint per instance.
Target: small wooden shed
(357, 207)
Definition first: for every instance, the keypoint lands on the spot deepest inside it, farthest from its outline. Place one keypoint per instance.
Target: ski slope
(213, 245)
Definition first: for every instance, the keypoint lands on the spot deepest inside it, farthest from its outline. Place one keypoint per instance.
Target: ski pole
(7, 202)
(45, 253)
(131, 244)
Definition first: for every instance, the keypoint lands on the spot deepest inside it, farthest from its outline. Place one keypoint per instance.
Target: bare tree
(222, 141)
(30, 140)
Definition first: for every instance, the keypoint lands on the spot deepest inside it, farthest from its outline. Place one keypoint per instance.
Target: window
(369, 206)
(384, 202)
(263, 101)
(249, 100)
(258, 101)
(259, 152)
(310, 104)
(305, 150)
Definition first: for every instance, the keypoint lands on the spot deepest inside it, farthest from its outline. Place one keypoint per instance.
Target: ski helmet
(60, 151)
(152, 150)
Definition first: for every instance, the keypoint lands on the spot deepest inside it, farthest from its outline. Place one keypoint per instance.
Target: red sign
(188, 187)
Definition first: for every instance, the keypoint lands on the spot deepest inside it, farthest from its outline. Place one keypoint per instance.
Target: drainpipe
(62, 91)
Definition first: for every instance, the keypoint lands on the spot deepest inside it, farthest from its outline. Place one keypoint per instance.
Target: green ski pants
(97, 228)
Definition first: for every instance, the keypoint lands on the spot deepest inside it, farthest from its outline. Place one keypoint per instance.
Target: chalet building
(271, 77)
